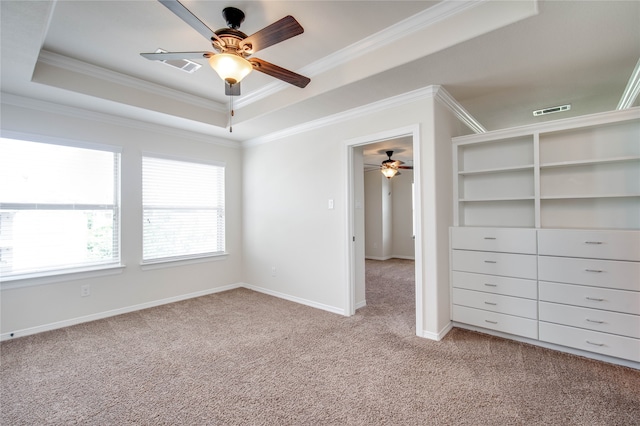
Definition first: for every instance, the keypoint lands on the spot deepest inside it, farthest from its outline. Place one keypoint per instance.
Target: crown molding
(75, 65)
(75, 112)
(563, 124)
(404, 28)
(415, 95)
(458, 110)
(632, 90)
(434, 91)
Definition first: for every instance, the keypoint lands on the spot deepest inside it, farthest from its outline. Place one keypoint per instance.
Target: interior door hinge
(353, 238)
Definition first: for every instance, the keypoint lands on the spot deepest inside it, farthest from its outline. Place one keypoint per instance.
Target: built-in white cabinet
(495, 182)
(581, 173)
(595, 170)
(589, 290)
(546, 242)
(494, 274)
(577, 289)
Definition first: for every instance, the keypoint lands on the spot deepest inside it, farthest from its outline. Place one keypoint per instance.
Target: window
(59, 208)
(183, 209)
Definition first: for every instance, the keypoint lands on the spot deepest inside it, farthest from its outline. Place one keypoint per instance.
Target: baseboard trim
(404, 257)
(439, 335)
(295, 299)
(361, 304)
(389, 257)
(113, 312)
(377, 257)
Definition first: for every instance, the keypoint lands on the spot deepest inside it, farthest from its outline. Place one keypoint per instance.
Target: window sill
(170, 263)
(51, 277)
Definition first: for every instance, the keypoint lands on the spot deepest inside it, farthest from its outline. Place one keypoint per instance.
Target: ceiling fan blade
(281, 30)
(192, 20)
(279, 73)
(168, 56)
(406, 167)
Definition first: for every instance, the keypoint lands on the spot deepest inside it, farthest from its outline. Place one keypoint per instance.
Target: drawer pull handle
(490, 303)
(594, 343)
(595, 299)
(489, 238)
(490, 261)
(595, 321)
(491, 322)
(593, 242)
(490, 285)
(594, 270)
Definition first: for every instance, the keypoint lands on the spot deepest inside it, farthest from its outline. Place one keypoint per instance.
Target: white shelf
(589, 162)
(496, 170)
(481, 200)
(579, 197)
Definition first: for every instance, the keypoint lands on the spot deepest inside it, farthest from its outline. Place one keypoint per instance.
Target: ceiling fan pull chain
(230, 114)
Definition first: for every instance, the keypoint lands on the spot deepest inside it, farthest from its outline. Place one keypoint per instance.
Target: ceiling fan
(231, 58)
(390, 168)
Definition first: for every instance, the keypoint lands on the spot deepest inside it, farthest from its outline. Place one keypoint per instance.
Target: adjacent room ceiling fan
(390, 168)
(231, 58)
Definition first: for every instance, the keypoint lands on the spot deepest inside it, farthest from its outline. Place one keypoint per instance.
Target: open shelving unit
(579, 172)
(545, 245)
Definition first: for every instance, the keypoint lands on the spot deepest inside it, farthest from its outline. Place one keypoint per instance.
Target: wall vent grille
(182, 64)
(551, 110)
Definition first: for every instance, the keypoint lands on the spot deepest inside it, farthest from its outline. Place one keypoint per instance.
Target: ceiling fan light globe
(388, 172)
(231, 68)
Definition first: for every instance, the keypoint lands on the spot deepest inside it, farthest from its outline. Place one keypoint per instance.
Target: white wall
(50, 305)
(403, 245)
(373, 215)
(287, 223)
(388, 216)
(437, 208)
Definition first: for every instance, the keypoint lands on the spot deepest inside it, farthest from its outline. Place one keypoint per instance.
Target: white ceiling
(499, 59)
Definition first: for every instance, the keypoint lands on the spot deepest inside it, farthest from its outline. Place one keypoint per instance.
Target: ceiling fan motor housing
(233, 16)
(231, 39)
(231, 36)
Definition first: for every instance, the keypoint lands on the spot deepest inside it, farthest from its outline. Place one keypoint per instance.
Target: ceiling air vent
(182, 64)
(551, 110)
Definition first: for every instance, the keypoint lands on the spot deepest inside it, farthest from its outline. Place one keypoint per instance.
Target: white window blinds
(183, 209)
(59, 208)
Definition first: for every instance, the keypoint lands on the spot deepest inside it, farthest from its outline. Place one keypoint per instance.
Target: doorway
(358, 162)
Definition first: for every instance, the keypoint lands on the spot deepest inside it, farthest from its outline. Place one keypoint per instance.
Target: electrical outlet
(273, 271)
(85, 290)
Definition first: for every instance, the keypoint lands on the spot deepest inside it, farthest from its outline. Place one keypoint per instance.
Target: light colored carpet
(245, 358)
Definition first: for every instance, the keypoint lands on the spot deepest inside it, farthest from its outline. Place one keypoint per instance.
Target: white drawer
(517, 287)
(592, 341)
(509, 240)
(600, 273)
(517, 306)
(616, 245)
(494, 321)
(592, 319)
(590, 297)
(504, 264)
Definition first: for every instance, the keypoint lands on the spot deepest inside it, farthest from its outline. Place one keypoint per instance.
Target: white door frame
(350, 145)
